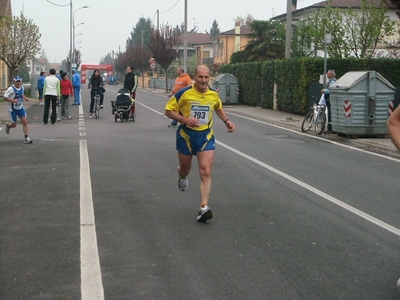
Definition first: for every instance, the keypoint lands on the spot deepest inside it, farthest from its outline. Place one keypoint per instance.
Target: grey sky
(108, 23)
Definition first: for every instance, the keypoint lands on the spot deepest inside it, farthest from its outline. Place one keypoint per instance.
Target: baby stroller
(121, 107)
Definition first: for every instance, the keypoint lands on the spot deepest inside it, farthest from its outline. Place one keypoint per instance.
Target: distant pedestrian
(59, 76)
(76, 84)
(51, 95)
(325, 99)
(66, 92)
(131, 83)
(40, 86)
(183, 80)
(15, 95)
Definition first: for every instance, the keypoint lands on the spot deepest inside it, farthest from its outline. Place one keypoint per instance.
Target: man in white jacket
(51, 92)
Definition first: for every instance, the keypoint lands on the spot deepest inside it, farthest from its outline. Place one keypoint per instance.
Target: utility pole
(185, 41)
(288, 44)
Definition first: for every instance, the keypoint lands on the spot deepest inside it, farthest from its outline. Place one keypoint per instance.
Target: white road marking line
(149, 108)
(349, 208)
(91, 282)
(316, 191)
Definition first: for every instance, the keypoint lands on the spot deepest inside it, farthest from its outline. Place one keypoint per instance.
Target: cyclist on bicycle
(96, 83)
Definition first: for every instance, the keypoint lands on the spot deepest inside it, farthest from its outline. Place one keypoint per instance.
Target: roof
(244, 30)
(344, 4)
(5, 8)
(194, 38)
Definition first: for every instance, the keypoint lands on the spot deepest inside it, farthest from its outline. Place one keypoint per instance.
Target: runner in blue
(15, 95)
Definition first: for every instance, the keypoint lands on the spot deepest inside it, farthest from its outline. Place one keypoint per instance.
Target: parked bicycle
(315, 117)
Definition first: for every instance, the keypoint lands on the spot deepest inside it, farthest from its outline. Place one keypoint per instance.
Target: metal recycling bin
(361, 103)
(228, 88)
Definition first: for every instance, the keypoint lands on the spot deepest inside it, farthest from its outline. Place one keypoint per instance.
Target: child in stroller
(121, 107)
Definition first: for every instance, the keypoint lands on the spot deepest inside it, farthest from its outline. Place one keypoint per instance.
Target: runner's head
(17, 81)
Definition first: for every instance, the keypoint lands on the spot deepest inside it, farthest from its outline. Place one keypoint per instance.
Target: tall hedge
(293, 76)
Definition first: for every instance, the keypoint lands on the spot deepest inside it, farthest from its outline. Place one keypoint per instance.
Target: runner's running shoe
(204, 214)
(183, 183)
(7, 128)
(28, 141)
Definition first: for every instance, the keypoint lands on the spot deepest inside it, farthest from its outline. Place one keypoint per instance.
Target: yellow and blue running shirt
(193, 104)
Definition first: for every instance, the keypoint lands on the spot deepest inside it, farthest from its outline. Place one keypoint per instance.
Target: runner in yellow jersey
(193, 107)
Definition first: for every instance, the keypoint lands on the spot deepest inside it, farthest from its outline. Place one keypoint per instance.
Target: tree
(267, 41)
(395, 4)
(162, 46)
(139, 56)
(140, 35)
(214, 28)
(19, 42)
(244, 21)
(353, 32)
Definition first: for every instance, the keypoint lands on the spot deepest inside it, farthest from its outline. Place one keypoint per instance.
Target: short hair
(333, 72)
(52, 71)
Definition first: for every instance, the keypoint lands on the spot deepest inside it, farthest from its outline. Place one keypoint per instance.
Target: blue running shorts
(21, 113)
(189, 141)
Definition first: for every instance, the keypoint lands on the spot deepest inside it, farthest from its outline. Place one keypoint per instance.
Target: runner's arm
(393, 126)
(222, 115)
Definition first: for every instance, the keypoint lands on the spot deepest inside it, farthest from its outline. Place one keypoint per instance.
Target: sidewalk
(378, 145)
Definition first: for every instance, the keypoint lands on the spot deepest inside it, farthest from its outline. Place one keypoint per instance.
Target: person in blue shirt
(76, 84)
(40, 86)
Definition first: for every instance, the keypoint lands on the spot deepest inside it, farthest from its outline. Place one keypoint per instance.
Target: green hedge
(293, 76)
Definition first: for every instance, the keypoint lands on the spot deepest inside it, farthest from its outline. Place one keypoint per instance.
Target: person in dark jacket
(131, 83)
(96, 83)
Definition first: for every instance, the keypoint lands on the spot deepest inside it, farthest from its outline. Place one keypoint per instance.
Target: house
(303, 13)
(36, 66)
(196, 41)
(229, 42)
(5, 10)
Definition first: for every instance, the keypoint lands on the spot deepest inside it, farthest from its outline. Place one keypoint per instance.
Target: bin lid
(350, 79)
(222, 78)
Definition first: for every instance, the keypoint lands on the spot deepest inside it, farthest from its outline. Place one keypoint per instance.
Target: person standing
(76, 84)
(66, 92)
(51, 95)
(96, 83)
(40, 85)
(326, 93)
(131, 83)
(183, 80)
(15, 94)
(193, 107)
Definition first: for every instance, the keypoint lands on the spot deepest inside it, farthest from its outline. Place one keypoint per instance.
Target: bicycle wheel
(96, 107)
(320, 123)
(307, 122)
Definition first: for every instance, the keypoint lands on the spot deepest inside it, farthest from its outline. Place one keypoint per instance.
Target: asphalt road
(91, 210)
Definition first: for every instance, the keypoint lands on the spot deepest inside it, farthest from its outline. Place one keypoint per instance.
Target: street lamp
(73, 33)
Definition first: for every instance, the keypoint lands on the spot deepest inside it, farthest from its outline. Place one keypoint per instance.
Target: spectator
(40, 86)
(51, 95)
(326, 95)
(66, 92)
(76, 84)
